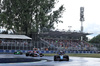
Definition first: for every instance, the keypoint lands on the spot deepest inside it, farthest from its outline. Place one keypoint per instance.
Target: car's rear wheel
(67, 58)
(27, 54)
(14, 52)
(55, 58)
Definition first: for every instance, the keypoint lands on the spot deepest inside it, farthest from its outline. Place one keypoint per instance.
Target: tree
(95, 39)
(26, 16)
(0, 6)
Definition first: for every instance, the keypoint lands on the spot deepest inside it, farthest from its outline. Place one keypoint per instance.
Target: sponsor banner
(24, 51)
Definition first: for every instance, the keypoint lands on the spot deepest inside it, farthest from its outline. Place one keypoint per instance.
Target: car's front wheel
(67, 58)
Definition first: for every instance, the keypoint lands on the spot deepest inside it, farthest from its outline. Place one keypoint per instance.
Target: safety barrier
(24, 51)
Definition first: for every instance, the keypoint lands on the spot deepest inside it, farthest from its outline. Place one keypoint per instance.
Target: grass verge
(79, 55)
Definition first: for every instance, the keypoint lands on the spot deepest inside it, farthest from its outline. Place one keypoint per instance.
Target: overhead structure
(9, 36)
(81, 17)
(63, 34)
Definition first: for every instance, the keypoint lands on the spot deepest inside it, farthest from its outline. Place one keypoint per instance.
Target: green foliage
(79, 55)
(26, 16)
(95, 39)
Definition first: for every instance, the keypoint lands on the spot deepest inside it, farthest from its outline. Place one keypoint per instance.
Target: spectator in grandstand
(69, 44)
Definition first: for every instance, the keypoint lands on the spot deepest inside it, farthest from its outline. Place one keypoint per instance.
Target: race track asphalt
(48, 61)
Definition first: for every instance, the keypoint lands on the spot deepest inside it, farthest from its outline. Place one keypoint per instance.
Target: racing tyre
(67, 58)
(27, 54)
(55, 58)
(41, 55)
(30, 54)
(14, 52)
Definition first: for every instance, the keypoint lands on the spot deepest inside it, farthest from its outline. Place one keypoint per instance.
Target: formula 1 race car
(29, 53)
(18, 53)
(98, 52)
(34, 54)
(61, 57)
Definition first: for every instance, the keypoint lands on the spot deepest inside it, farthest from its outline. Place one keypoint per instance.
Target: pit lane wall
(24, 51)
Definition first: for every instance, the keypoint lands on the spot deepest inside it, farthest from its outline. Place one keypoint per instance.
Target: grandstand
(57, 40)
(15, 42)
(48, 41)
(66, 35)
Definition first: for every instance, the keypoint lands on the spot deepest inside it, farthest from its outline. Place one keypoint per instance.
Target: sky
(71, 16)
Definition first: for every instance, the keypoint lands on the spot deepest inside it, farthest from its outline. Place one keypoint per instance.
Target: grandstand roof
(9, 36)
(58, 33)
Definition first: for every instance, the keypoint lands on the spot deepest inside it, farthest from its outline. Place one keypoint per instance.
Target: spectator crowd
(70, 44)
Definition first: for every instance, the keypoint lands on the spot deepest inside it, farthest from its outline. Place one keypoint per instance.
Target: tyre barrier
(24, 51)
